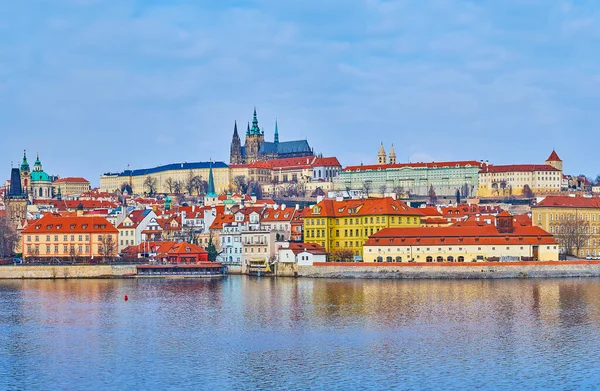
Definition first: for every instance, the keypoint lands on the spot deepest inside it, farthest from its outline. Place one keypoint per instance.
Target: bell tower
(25, 174)
(254, 140)
(381, 156)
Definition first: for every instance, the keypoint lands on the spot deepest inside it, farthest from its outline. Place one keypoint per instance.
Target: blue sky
(96, 85)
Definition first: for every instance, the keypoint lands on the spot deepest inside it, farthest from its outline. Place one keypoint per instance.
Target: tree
(255, 189)
(382, 189)
(597, 180)
(212, 250)
(170, 184)
(178, 187)
(527, 192)
(573, 233)
(240, 185)
(150, 184)
(188, 184)
(341, 255)
(432, 195)
(457, 197)
(319, 192)
(465, 191)
(8, 237)
(367, 186)
(107, 247)
(126, 187)
(398, 191)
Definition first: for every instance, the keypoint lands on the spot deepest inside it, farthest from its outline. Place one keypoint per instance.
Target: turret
(554, 161)
(276, 133)
(381, 156)
(392, 155)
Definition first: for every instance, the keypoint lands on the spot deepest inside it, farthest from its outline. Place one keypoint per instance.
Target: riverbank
(482, 270)
(66, 271)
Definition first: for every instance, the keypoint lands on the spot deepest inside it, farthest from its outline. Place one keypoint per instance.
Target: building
(257, 149)
(71, 186)
(132, 227)
(58, 237)
(505, 241)
(302, 254)
(345, 225)
(408, 179)
(521, 179)
(15, 199)
(168, 252)
(169, 178)
(575, 221)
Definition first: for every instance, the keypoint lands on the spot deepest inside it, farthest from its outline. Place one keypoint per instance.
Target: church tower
(254, 140)
(15, 199)
(235, 156)
(25, 174)
(554, 161)
(381, 156)
(392, 155)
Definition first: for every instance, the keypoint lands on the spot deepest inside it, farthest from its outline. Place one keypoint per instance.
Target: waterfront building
(302, 254)
(15, 199)
(168, 174)
(257, 149)
(71, 186)
(507, 240)
(132, 226)
(575, 221)
(414, 179)
(231, 245)
(339, 225)
(279, 220)
(58, 237)
(259, 250)
(168, 252)
(520, 179)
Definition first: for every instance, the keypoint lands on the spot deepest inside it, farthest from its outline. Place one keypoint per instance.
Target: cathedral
(37, 183)
(257, 149)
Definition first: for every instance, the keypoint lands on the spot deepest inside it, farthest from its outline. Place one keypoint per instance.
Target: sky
(96, 85)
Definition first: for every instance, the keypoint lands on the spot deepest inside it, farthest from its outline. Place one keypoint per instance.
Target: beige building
(574, 221)
(513, 180)
(506, 241)
(177, 172)
(70, 186)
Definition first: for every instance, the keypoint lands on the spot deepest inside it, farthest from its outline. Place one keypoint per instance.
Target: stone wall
(83, 271)
(454, 271)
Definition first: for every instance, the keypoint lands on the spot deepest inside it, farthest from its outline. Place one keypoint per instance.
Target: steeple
(248, 130)
(24, 164)
(235, 132)
(276, 133)
(392, 155)
(255, 129)
(211, 183)
(37, 166)
(381, 156)
(15, 190)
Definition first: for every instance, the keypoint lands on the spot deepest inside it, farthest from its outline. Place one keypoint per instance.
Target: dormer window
(72, 226)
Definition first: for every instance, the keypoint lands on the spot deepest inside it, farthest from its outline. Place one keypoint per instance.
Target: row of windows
(366, 220)
(56, 237)
(71, 250)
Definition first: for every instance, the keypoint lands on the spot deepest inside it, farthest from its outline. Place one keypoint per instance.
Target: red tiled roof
(569, 202)
(50, 223)
(362, 207)
(553, 157)
(472, 163)
(270, 214)
(518, 168)
(72, 179)
(312, 248)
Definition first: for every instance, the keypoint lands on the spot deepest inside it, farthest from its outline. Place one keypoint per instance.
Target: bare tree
(398, 191)
(382, 189)
(150, 184)
(178, 187)
(107, 246)
(125, 187)
(341, 255)
(8, 237)
(527, 192)
(240, 185)
(573, 233)
(189, 182)
(170, 184)
(465, 191)
(432, 195)
(367, 186)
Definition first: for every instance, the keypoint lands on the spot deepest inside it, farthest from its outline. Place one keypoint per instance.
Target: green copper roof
(211, 183)
(24, 164)
(255, 129)
(40, 176)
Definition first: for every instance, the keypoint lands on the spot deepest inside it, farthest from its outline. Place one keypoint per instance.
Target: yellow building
(513, 180)
(575, 221)
(339, 225)
(507, 241)
(70, 186)
(166, 177)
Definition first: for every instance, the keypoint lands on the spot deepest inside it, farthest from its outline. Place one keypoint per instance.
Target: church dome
(40, 176)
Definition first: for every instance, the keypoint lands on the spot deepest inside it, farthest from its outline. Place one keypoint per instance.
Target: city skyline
(94, 87)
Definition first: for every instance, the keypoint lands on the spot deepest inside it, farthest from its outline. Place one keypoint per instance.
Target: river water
(252, 333)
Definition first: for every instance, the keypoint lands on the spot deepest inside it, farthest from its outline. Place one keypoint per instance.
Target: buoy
(126, 298)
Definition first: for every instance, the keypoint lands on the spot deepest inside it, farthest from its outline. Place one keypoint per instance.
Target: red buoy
(126, 298)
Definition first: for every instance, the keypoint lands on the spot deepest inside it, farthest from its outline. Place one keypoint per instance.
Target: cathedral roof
(285, 147)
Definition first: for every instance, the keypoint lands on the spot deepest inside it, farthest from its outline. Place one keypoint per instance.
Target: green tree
(212, 250)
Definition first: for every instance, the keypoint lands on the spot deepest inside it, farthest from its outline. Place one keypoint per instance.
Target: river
(253, 333)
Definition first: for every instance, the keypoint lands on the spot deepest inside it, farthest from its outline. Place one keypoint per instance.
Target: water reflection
(255, 333)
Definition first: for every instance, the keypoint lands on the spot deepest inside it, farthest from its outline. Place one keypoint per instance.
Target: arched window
(429, 259)
(398, 259)
(440, 259)
(461, 259)
(380, 259)
(450, 258)
(388, 259)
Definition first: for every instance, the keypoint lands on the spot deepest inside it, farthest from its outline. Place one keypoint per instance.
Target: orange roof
(165, 248)
(569, 202)
(222, 219)
(72, 179)
(362, 207)
(466, 163)
(271, 215)
(312, 248)
(460, 234)
(519, 168)
(553, 157)
(57, 224)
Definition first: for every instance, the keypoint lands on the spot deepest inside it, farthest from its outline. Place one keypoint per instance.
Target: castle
(257, 149)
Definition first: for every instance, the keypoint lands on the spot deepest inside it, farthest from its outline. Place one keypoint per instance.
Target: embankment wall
(65, 271)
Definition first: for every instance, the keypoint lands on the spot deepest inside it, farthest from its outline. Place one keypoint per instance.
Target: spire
(381, 156)
(37, 166)
(248, 130)
(392, 155)
(276, 132)
(24, 164)
(211, 183)
(235, 132)
(15, 190)
(254, 129)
